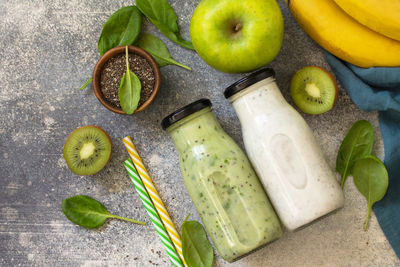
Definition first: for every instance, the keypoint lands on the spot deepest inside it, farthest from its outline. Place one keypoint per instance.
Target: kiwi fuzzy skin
(99, 128)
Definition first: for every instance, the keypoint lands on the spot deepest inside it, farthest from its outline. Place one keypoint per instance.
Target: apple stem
(237, 27)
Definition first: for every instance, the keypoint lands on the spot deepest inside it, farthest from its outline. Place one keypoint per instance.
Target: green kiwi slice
(314, 90)
(87, 150)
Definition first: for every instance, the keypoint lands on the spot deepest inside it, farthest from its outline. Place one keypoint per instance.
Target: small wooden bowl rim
(113, 52)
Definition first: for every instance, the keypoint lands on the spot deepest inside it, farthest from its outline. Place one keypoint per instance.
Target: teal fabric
(379, 89)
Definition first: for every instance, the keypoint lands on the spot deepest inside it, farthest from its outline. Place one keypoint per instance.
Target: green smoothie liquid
(223, 186)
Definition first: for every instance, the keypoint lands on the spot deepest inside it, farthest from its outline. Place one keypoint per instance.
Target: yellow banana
(382, 16)
(340, 34)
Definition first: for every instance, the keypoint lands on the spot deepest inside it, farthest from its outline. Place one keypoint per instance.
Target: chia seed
(115, 68)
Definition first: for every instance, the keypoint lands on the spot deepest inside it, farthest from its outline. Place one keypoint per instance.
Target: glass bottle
(221, 182)
(282, 148)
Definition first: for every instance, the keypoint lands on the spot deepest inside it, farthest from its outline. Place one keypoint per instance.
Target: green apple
(237, 35)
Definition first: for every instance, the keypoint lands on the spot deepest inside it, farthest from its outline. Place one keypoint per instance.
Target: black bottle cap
(184, 112)
(249, 80)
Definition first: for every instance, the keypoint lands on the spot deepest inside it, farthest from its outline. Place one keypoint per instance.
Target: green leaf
(86, 84)
(129, 89)
(161, 14)
(371, 179)
(357, 144)
(88, 212)
(122, 28)
(196, 248)
(158, 50)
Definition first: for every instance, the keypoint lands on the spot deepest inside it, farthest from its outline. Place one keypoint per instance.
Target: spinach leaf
(88, 212)
(158, 50)
(357, 143)
(371, 179)
(122, 28)
(161, 14)
(196, 248)
(86, 84)
(129, 89)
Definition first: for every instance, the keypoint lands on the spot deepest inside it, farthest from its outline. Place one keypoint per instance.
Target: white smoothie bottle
(284, 153)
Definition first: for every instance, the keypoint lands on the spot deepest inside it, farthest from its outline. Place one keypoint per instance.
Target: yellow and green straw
(151, 211)
(155, 198)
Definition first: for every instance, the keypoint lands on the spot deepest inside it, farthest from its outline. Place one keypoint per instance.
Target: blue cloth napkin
(379, 89)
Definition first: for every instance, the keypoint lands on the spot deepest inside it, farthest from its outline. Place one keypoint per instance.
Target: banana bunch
(365, 33)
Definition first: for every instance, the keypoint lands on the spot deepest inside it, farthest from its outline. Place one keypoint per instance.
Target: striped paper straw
(155, 219)
(148, 184)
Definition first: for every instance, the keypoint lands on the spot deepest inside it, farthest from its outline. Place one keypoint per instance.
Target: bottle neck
(263, 97)
(194, 129)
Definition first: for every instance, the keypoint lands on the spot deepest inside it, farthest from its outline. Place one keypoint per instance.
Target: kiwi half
(314, 90)
(87, 150)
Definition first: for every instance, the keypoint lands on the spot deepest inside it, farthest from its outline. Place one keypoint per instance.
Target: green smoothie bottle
(221, 182)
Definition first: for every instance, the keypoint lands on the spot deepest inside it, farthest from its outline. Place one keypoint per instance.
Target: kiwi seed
(87, 150)
(314, 90)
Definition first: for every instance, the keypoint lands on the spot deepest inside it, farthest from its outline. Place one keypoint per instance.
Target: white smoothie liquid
(285, 155)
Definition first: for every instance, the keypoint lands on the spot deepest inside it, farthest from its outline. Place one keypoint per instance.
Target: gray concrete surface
(47, 51)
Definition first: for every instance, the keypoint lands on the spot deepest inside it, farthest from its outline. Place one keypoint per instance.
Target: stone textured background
(47, 51)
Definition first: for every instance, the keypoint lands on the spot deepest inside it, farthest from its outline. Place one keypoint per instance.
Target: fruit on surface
(87, 150)
(382, 16)
(313, 90)
(235, 35)
(340, 34)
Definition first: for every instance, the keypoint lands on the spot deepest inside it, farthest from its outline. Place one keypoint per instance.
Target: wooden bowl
(113, 52)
